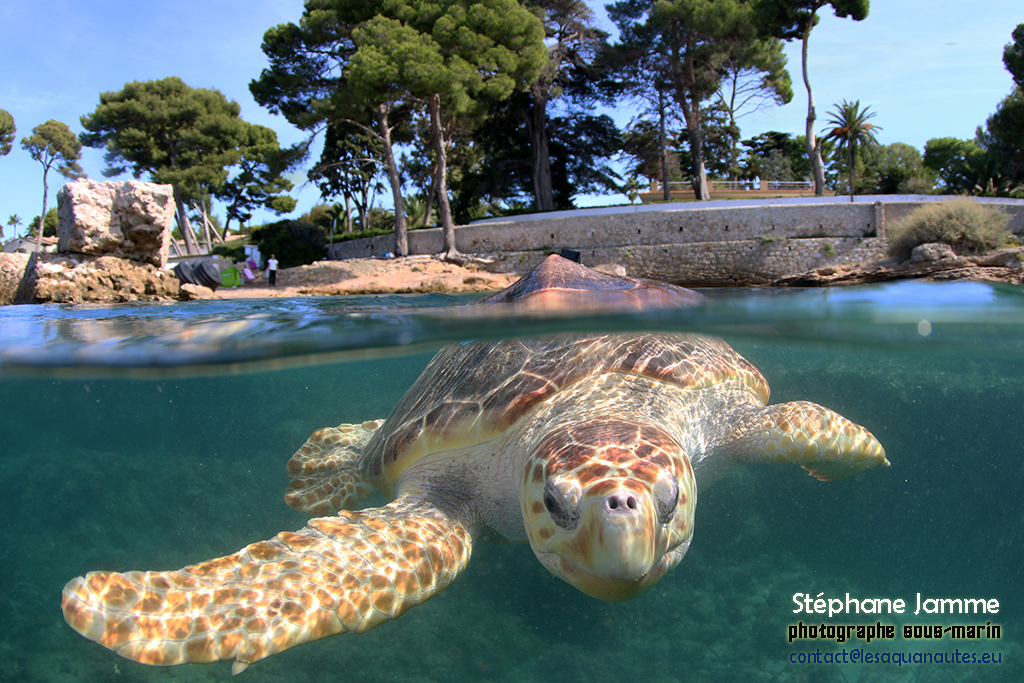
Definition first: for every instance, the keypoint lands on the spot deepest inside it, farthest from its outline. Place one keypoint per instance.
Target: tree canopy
(792, 19)
(7, 131)
(1003, 134)
(775, 156)
(259, 180)
(456, 57)
(899, 168)
(349, 167)
(308, 82)
(687, 47)
(755, 77)
(576, 75)
(54, 146)
(1013, 56)
(491, 107)
(850, 128)
(993, 162)
(186, 137)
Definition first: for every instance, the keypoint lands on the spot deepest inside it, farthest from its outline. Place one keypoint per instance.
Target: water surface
(155, 436)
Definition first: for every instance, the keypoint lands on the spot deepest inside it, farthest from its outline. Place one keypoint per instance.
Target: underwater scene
(151, 437)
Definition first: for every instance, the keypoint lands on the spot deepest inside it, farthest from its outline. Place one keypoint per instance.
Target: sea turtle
(591, 447)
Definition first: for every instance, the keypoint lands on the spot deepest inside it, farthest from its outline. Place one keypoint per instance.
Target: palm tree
(850, 129)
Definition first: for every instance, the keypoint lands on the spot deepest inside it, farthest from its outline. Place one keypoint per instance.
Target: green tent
(230, 278)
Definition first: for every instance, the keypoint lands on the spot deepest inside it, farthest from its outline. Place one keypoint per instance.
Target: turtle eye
(666, 498)
(561, 504)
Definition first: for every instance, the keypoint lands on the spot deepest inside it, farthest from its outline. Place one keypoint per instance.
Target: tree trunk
(667, 193)
(206, 229)
(689, 102)
(813, 148)
(443, 207)
(183, 224)
(42, 216)
(401, 234)
(360, 199)
(543, 195)
(851, 172)
(363, 206)
(691, 112)
(734, 149)
(700, 177)
(428, 197)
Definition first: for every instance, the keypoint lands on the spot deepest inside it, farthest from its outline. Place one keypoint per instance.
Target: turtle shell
(472, 392)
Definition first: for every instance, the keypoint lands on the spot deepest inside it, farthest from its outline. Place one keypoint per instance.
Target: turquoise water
(155, 436)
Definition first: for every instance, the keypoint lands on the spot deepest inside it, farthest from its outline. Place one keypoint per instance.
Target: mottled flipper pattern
(324, 474)
(340, 574)
(821, 441)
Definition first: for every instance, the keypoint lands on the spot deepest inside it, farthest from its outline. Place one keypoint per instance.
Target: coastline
(408, 275)
(112, 280)
(426, 274)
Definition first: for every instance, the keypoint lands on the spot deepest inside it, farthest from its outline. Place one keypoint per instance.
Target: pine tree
(54, 146)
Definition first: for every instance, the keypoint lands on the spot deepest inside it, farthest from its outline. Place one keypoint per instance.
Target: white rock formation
(127, 219)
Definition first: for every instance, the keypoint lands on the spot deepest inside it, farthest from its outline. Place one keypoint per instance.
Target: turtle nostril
(621, 502)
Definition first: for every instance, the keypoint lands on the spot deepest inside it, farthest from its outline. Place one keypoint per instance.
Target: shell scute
(474, 391)
(448, 420)
(513, 399)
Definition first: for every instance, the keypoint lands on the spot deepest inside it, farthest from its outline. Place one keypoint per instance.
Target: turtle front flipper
(337, 575)
(820, 440)
(325, 474)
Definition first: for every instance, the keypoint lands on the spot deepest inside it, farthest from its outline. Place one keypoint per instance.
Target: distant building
(27, 245)
(252, 253)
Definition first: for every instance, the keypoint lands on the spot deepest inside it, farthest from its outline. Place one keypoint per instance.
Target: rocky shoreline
(78, 278)
(929, 262)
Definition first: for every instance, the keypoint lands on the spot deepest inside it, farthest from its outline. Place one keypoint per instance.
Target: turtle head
(608, 505)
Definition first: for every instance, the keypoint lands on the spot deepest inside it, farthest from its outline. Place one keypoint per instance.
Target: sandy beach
(412, 274)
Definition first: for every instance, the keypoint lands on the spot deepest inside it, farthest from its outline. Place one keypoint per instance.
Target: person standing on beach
(272, 270)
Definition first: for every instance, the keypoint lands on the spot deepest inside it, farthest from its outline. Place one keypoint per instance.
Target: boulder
(190, 292)
(78, 278)
(127, 219)
(12, 269)
(932, 252)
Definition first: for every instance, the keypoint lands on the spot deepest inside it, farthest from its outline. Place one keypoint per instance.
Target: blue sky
(928, 68)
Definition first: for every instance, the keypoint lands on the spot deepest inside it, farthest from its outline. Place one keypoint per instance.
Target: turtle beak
(622, 540)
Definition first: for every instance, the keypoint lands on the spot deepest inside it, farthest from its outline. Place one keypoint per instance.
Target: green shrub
(295, 243)
(962, 223)
(360, 234)
(49, 224)
(235, 253)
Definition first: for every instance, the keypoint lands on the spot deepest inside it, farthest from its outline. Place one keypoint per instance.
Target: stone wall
(729, 243)
(710, 264)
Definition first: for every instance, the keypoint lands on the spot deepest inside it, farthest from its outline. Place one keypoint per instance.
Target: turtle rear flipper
(820, 440)
(337, 575)
(325, 475)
